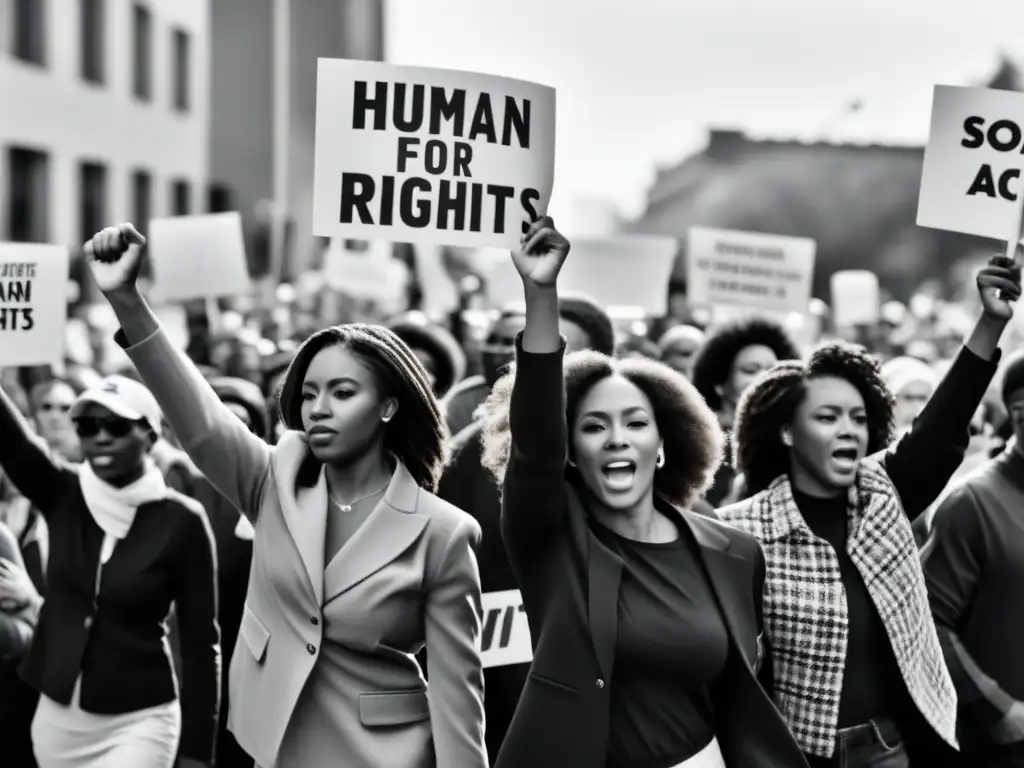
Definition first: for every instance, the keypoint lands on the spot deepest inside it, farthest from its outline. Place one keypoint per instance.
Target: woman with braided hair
(356, 563)
(858, 670)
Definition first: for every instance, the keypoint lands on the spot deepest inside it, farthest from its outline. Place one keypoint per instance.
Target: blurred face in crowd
(746, 366)
(500, 349)
(682, 348)
(52, 406)
(1015, 408)
(241, 412)
(115, 447)
(615, 443)
(828, 436)
(910, 401)
(342, 406)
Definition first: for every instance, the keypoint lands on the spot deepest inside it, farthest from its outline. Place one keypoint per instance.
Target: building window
(181, 198)
(29, 31)
(219, 198)
(182, 70)
(28, 195)
(142, 78)
(92, 197)
(92, 40)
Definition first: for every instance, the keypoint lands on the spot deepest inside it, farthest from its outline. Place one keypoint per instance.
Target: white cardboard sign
(505, 638)
(972, 165)
(418, 155)
(629, 271)
(856, 298)
(198, 257)
(750, 269)
(33, 303)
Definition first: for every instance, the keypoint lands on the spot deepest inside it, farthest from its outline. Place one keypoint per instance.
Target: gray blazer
(334, 643)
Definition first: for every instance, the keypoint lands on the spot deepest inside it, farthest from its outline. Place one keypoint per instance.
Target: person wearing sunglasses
(124, 548)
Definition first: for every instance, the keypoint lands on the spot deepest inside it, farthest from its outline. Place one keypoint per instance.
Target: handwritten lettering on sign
(505, 638)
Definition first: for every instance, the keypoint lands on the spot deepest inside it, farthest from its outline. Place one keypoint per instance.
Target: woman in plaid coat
(857, 669)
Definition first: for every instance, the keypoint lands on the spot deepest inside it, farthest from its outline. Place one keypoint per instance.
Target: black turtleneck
(872, 683)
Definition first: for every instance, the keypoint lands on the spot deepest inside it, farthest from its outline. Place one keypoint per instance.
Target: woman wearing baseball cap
(357, 565)
(124, 548)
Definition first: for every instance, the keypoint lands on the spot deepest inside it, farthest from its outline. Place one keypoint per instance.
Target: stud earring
(787, 440)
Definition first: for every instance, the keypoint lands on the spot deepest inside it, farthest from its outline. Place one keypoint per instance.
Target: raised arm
(233, 459)
(533, 497)
(26, 459)
(454, 666)
(922, 462)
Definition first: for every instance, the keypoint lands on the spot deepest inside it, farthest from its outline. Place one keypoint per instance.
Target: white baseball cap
(124, 397)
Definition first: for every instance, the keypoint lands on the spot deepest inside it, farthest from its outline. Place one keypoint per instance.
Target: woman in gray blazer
(356, 563)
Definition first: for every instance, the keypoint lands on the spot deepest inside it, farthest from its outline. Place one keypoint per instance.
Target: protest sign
(628, 271)
(771, 272)
(970, 181)
(417, 155)
(364, 275)
(506, 632)
(856, 298)
(33, 303)
(198, 257)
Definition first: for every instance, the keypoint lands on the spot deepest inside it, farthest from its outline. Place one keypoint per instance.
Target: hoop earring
(660, 462)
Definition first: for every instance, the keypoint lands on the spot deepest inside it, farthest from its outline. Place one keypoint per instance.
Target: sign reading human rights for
(409, 154)
(33, 303)
(971, 177)
(771, 272)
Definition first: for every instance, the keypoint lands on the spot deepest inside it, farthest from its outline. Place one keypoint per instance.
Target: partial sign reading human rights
(33, 303)
(971, 177)
(431, 156)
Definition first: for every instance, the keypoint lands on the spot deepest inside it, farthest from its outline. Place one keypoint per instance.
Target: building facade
(106, 114)
(242, 147)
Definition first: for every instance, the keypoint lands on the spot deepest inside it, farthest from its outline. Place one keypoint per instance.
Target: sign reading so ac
(1002, 136)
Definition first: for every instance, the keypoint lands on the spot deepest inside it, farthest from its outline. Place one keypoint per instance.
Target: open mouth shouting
(844, 460)
(619, 475)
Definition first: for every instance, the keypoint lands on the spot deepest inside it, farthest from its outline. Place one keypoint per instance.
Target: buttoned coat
(348, 629)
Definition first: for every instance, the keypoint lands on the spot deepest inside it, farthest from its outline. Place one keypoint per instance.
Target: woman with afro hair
(858, 670)
(645, 616)
(730, 359)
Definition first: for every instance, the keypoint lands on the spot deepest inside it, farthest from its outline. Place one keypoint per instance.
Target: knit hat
(1013, 375)
(587, 314)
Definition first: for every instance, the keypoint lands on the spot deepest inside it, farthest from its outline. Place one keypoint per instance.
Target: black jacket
(570, 586)
(117, 642)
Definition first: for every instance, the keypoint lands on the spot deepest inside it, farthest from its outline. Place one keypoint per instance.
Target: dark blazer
(116, 640)
(570, 586)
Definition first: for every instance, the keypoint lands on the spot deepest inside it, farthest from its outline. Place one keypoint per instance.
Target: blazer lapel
(304, 509)
(604, 575)
(389, 531)
(727, 581)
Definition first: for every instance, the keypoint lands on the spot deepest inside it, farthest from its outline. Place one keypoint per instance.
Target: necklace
(348, 507)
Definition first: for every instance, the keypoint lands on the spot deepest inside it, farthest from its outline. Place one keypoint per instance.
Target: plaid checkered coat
(805, 605)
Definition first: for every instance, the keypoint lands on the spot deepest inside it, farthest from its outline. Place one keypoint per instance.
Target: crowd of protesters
(734, 548)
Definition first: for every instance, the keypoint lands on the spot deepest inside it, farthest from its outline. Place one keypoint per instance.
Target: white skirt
(68, 737)
(709, 757)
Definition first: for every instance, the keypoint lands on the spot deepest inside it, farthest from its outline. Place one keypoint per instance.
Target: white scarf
(114, 509)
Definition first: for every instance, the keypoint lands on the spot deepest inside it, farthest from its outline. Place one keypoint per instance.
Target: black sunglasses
(90, 426)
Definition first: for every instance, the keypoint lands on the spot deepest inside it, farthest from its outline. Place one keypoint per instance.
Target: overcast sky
(640, 81)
